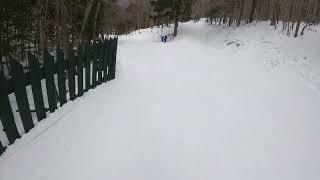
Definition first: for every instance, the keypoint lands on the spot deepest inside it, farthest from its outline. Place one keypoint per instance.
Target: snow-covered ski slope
(194, 108)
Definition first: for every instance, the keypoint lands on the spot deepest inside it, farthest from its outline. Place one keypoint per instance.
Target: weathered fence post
(36, 87)
(6, 114)
(61, 77)
(19, 85)
(80, 58)
(49, 68)
(88, 66)
(71, 74)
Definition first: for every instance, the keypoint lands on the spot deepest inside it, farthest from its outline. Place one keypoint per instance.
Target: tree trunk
(42, 38)
(274, 14)
(254, 3)
(85, 22)
(64, 27)
(176, 24)
(230, 21)
(299, 8)
(297, 29)
(242, 3)
(176, 18)
(58, 22)
(304, 29)
(95, 21)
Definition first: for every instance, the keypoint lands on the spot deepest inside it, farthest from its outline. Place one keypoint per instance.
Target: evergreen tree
(166, 11)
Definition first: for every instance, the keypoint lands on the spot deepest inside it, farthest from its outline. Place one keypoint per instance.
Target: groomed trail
(220, 103)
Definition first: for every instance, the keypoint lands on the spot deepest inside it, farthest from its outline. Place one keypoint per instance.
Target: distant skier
(164, 38)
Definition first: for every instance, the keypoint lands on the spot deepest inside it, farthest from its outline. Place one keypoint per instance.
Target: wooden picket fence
(92, 65)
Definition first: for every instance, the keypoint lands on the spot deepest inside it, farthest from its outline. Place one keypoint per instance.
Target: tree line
(293, 16)
(37, 25)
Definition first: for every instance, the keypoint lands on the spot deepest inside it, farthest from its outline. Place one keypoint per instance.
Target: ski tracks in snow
(276, 57)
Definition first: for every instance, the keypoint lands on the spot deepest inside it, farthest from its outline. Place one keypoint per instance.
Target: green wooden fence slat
(36, 87)
(61, 77)
(88, 66)
(108, 58)
(111, 71)
(71, 74)
(51, 88)
(114, 53)
(111, 58)
(96, 58)
(101, 61)
(104, 64)
(95, 66)
(19, 85)
(6, 114)
(80, 59)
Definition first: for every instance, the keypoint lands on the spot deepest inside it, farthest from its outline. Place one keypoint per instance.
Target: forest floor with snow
(219, 103)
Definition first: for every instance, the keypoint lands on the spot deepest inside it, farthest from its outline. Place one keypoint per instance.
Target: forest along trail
(192, 108)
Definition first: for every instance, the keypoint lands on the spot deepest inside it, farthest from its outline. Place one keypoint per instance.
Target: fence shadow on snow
(92, 65)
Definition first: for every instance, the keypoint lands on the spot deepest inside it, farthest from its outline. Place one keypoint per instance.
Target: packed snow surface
(220, 103)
